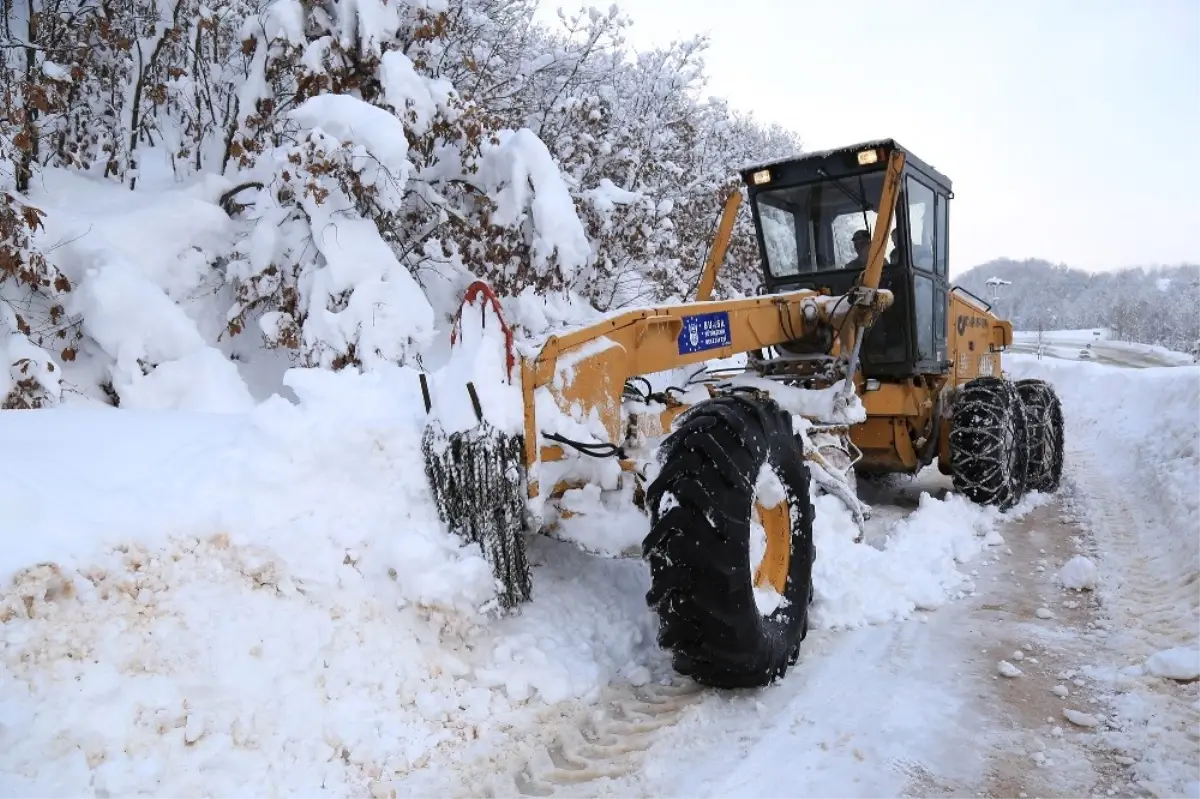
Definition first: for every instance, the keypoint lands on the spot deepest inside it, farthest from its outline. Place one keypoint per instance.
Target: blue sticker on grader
(705, 331)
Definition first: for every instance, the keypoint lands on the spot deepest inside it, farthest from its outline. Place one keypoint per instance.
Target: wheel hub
(772, 569)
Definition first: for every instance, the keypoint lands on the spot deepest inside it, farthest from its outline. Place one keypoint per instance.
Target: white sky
(1070, 128)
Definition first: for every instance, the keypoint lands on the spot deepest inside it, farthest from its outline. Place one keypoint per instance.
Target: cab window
(810, 228)
(921, 224)
(943, 235)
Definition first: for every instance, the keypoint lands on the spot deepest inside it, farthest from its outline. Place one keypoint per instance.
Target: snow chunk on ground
(1007, 669)
(1079, 573)
(1079, 718)
(1178, 663)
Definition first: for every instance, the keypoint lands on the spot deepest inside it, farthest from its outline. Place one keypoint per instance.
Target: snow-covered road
(264, 604)
(1097, 347)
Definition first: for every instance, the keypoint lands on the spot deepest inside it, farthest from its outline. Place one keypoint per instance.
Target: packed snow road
(265, 604)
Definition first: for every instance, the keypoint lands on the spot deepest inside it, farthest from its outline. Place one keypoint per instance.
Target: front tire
(1044, 415)
(988, 443)
(733, 472)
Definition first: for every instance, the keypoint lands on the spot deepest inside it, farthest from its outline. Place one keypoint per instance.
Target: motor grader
(858, 357)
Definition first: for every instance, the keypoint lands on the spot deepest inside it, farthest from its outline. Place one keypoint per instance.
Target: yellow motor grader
(858, 358)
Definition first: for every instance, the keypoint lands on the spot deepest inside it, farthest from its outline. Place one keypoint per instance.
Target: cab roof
(838, 163)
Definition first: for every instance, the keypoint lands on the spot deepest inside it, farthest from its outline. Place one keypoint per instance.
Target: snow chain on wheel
(988, 442)
(1043, 413)
(733, 474)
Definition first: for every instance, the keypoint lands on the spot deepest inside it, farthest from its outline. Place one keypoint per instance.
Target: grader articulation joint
(859, 358)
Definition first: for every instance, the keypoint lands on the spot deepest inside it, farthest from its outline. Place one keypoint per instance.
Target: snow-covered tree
(1150, 305)
(375, 157)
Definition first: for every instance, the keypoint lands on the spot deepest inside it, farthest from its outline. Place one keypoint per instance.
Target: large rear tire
(733, 483)
(1044, 416)
(988, 443)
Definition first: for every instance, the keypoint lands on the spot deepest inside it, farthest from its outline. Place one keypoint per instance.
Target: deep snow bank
(237, 603)
(266, 603)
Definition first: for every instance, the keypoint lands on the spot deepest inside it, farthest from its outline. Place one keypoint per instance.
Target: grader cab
(859, 357)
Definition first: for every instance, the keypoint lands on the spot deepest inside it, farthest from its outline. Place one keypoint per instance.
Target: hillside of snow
(1154, 304)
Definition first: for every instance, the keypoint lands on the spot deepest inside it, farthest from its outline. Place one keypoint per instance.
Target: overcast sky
(1070, 128)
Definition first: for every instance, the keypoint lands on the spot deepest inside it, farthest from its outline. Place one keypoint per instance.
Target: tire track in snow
(576, 745)
(1151, 598)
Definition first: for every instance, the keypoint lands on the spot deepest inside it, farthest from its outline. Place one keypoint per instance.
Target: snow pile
(1177, 663)
(239, 604)
(1078, 574)
(916, 569)
(266, 603)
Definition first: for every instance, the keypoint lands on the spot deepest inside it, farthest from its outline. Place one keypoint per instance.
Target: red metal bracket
(473, 293)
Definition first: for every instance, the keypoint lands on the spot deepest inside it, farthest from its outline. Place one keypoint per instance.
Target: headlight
(762, 176)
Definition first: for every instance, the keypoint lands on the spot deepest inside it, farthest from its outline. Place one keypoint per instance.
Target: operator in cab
(862, 246)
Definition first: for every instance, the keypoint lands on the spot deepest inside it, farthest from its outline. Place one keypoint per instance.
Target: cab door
(927, 214)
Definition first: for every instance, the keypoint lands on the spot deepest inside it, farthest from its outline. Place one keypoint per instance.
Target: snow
(1007, 669)
(825, 405)
(345, 118)
(1066, 344)
(56, 72)
(1177, 663)
(1079, 718)
(1078, 573)
(406, 91)
(769, 492)
(917, 568)
(1133, 454)
(264, 601)
(768, 488)
(27, 362)
(521, 175)
(273, 586)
